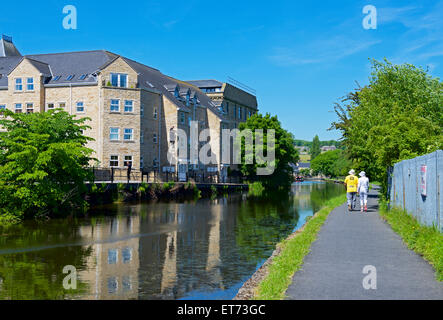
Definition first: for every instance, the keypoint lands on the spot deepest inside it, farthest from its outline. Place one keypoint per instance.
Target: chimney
(7, 47)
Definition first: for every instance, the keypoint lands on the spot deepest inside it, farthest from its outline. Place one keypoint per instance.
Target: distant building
(328, 148)
(303, 149)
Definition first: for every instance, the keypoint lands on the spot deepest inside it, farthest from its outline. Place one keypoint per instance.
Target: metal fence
(415, 186)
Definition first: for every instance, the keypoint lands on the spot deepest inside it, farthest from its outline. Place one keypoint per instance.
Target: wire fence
(415, 185)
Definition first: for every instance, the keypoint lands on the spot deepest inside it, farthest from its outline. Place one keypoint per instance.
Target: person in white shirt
(363, 189)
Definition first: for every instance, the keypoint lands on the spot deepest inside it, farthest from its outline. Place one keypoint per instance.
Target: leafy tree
(285, 153)
(315, 150)
(331, 163)
(398, 116)
(42, 164)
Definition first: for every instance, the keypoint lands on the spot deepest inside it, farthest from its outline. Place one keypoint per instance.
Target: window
(126, 255)
(80, 107)
(154, 138)
(128, 134)
(30, 84)
(239, 112)
(182, 117)
(155, 163)
(227, 107)
(69, 78)
(142, 161)
(142, 138)
(114, 134)
(129, 106)
(18, 108)
(155, 113)
(112, 285)
(112, 256)
(29, 108)
(2, 108)
(83, 77)
(56, 78)
(18, 84)
(119, 80)
(128, 160)
(142, 110)
(62, 105)
(115, 105)
(113, 162)
(49, 106)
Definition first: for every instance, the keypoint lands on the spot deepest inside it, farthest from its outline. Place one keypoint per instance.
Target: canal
(203, 249)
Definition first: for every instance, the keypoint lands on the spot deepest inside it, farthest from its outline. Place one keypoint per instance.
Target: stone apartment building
(135, 110)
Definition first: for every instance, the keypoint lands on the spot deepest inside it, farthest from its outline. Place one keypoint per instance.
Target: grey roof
(75, 63)
(41, 66)
(90, 62)
(206, 83)
(7, 48)
(7, 64)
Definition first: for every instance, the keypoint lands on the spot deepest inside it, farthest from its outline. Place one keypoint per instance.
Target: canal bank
(106, 193)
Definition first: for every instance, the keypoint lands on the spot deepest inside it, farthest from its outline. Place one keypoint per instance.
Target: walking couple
(355, 185)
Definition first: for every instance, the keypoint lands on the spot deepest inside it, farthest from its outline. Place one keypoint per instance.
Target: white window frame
(124, 134)
(119, 75)
(132, 106)
(27, 107)
(18, 84)
(111, 160)
(110, 134)
(21, 107)
(77, 105)
(111, 104)
(29, 84)
(125, 160)
(47, 106)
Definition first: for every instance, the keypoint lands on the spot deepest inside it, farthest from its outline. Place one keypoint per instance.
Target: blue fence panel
(405, 188)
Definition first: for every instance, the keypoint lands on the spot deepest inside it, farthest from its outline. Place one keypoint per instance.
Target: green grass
(293, 251)
(426, 241)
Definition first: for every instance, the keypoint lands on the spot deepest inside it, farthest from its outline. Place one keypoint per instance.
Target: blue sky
(300, 56)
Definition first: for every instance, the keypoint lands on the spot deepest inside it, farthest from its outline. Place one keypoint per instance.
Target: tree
(398, 116)
(43, 162)
(331, 163)
(315, 151)
(285, 152)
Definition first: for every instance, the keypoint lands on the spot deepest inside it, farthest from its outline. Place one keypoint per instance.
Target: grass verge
(424, 240)
(293, 251)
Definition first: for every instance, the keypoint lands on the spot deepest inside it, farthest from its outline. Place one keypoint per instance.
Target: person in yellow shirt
(351, 184)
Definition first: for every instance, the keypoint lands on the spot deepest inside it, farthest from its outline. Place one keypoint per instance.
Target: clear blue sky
(300, 56)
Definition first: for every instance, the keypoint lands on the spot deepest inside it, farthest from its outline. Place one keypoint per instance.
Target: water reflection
(190, 250)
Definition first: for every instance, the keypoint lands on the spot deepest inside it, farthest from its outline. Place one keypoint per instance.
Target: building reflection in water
(112, 268)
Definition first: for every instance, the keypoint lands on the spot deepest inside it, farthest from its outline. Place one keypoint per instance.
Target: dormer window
(69, 78)
(119, 80)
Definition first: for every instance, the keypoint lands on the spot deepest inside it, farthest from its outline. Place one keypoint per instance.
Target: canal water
(203, 249)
